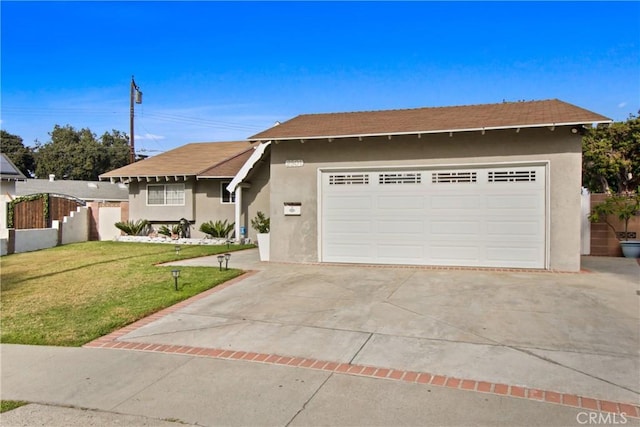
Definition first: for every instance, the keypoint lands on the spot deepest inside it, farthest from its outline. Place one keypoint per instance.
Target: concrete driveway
(575, 333)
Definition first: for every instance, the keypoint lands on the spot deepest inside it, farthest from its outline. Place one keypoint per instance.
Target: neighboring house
(495, 185)
(190, 182)
(9, 176)
(107, 202)
(87, 191)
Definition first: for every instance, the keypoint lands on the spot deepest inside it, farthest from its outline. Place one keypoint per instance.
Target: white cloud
(149, 136)
(622, 104)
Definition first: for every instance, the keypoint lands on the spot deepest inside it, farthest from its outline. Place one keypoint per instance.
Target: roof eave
(424, 132)
(248, 165)
(215, 177)
(147, 178)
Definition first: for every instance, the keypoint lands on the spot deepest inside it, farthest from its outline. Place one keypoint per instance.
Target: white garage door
(484, 217)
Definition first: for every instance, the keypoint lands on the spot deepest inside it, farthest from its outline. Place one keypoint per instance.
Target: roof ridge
(433, 108)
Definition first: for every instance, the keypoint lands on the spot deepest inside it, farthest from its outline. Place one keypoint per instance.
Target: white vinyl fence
(585, 230)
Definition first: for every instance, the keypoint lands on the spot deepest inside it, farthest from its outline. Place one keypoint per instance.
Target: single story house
(190, 182)
(87, 191)
(493, 185)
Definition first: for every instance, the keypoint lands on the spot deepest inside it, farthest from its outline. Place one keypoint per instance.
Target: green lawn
(72, 294)
(7, 405)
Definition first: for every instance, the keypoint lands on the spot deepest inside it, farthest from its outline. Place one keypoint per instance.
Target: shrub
(166, 231)
(621, 206)
(130, 228)
(219, 229)
(261, 223)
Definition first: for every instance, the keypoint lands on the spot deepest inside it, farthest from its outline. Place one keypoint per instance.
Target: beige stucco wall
(203, 202)
(209, 206)
(295, 238)
(138, 208)
(7, 191)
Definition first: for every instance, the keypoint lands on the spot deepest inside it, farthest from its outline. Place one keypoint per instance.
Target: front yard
(72, 294)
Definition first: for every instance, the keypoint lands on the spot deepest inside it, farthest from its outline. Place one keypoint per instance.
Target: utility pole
(135, 95)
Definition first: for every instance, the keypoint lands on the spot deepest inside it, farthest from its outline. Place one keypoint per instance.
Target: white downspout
(238, 205)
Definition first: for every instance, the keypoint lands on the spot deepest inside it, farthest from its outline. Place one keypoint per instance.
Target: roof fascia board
(199, 177)
(155, 175)
(248, 165)
(369, 135)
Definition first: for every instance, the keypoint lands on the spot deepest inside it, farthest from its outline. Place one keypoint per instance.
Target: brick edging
(413, 377)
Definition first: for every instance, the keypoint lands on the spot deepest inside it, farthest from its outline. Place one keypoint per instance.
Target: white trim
(232, 197)
(435, 166)
(319, 211)
(547, 214)
(248, 165)
(238, 213)
(419, 132)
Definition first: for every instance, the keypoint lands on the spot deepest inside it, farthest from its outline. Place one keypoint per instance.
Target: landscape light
(175, 274)
(220, 259)
(227, 257)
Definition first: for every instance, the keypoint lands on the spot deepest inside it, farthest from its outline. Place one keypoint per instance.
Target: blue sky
(217, 71)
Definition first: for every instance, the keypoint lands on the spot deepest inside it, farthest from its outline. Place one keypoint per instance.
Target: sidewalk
(139, 388)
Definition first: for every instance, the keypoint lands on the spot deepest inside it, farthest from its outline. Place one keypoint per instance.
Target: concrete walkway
(152, 389)
(342, 345)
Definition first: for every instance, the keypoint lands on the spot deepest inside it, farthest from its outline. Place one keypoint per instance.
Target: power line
(35, 111)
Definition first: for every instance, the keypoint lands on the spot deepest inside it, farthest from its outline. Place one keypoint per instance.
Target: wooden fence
(39, 210)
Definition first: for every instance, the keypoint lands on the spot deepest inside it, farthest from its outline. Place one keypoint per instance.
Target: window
(165, 194)
(226, 196)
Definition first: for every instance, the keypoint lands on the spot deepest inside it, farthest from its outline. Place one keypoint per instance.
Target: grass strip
(7, 405)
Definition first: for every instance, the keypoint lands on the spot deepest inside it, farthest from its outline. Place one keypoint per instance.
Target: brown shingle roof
(432, 120)
(223, 158)
(229, 167)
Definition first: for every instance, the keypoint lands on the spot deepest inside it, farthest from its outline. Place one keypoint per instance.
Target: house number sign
(293, 163)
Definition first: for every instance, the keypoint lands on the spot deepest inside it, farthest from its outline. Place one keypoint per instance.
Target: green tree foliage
(23, 157)
(611, 157)
(79, 154)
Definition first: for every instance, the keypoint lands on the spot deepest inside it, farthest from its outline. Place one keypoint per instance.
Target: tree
(117, 150)
(78, 154)
(12, 146)
(611, 157)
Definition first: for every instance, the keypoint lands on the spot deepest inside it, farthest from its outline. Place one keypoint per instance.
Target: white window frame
(178, 187)
(224, 192)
